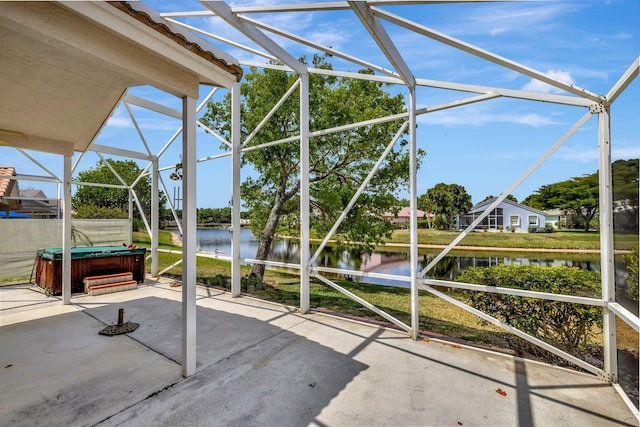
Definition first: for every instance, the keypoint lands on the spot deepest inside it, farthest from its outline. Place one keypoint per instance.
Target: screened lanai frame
(371, 15)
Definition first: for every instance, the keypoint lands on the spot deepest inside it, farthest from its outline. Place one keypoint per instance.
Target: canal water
(397, 261)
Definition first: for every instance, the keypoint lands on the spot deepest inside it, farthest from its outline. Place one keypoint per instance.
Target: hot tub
(87, 261)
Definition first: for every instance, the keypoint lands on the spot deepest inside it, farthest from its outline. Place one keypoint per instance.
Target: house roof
(65, 66)
(7, 186)
(405, 213)
(482, 205)
(33, 193)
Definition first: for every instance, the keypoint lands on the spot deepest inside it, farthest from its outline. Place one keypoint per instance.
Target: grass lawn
(436, 315)
(558, 240)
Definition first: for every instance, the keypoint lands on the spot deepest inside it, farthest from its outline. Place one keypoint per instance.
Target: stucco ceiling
(65, 67)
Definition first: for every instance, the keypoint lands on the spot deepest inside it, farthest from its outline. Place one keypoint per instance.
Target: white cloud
(538, 86)
(479, 118)
(625, 153)
(497, 20)
(119, 122)
(591, 155)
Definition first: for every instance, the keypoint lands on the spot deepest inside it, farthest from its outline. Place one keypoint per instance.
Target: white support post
(155, 222)
(66, 233)
(413, 218)
(305, 251)
(129, 192)
(235, 189)
(607, 267)
(189, 236)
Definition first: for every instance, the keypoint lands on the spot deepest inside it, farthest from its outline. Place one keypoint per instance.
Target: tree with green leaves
(625, 174)
(446, 201)
(509, 197)
(580, 196)
(339, 162)
(577, 196)
(107, 202)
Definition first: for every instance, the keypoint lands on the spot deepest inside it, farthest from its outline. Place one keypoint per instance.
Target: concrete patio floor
(260, 364)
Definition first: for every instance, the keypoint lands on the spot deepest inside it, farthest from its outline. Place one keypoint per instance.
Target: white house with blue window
(507, 216)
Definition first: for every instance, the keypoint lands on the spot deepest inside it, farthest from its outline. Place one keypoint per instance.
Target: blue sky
(483, 147)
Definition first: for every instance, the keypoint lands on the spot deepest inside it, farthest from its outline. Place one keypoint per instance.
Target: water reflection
(397, 263)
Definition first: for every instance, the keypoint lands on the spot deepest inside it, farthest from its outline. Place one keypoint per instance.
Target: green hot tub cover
(90, 252)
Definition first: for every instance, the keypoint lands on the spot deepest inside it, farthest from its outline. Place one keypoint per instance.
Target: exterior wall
(523, 215)
(25, 236)
(508, 217)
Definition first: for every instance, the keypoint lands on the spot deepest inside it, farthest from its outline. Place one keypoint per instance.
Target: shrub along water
(569, 326)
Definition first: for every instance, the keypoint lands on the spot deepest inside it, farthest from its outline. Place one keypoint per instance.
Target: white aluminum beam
(484, 54)
(215, 156)
(155, 212)
(222, 39)
(628, 317)
(355, 273)
(169, 142)
(236, 202)
(23, 177)
(105, 149)
(135, 124)
(77, 162)
(189, 237)
(141, 211)
(382, 39)
(221, 9)
(113, 171)
(145, 172)
(305, 250)
(358, 192)
(508, 191)
(172, 265)
(94, 184)
(363, 302)
(66, 232)
(34, 160)
(413, 215)
(325, 49)
(271, 112)
(515, 292)
(607, 267)
(625, 80)
(517, 332)
(213, 133)
(152, 106)
(171, 207)
(342, 5)
(508, 93)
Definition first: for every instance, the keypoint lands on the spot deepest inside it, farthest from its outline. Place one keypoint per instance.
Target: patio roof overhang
(65, 66)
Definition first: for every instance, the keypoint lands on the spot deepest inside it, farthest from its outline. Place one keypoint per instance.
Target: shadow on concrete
(249, 371)
(57, 371)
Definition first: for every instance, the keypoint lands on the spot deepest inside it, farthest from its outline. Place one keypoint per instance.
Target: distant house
(37, 205)
(507, 216)
(556, 218)
(404, 214)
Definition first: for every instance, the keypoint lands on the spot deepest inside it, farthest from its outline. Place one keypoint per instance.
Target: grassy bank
(559, 240)
(436, 315)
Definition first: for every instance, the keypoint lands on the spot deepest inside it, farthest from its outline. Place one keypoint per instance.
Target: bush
(423, 223)
(97, 212)
(569, 326)
(138, 225)
(632, 268)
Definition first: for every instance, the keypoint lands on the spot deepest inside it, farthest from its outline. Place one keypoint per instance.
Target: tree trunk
(257, 272)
